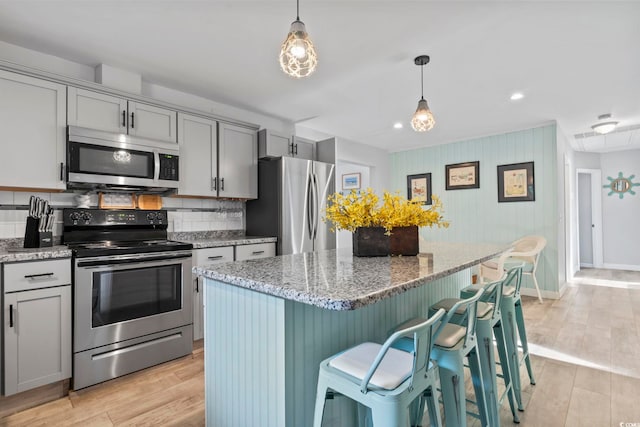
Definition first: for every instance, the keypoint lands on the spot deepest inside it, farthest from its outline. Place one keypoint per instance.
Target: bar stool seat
(446, 304)
(450, 336)
(394, 368)
(387, 381)
(507, 291)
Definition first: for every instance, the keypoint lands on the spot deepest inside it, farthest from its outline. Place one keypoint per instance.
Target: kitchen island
(270, 322)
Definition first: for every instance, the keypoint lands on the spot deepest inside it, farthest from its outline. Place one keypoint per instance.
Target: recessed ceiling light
(516, 96)
(397, 125)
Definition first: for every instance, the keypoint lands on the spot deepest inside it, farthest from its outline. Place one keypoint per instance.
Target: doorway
(589, 224)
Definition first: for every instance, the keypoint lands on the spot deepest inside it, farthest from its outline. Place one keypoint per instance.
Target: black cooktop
(103, 232)
(106, 248)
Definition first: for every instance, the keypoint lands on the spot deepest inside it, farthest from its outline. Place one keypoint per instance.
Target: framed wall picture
(419, 188)
(461, 176)
(351, 181)
(516, 183)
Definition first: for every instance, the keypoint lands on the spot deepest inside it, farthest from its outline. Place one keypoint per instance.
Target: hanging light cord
(297, 10)
(422, 81)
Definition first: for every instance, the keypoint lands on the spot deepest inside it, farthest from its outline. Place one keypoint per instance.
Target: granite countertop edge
(34, 254)
(205, 243)
(331, 303)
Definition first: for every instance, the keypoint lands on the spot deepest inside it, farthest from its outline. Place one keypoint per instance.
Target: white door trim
(596, 214)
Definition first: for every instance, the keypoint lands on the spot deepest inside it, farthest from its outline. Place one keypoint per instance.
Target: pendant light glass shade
(422, 119)
(298, 57)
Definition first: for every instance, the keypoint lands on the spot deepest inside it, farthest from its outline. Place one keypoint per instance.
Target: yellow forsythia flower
(360, 209)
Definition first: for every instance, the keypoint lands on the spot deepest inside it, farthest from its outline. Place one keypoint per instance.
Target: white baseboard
(531, 292)
(587, 265)
(621, 267)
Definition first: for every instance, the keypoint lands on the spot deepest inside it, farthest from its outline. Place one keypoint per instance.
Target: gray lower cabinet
(202, 257)
(216, 256)
(37, 324)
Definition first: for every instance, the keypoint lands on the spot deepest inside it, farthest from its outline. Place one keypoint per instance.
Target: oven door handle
(98, 263)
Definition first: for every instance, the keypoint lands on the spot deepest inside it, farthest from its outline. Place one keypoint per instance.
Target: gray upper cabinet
(304, 148)
(237, 162)
(198, 142)
(32, 119)
(273, 144)
(37, 324)
(110, 113)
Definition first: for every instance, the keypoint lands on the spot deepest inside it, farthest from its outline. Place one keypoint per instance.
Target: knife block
(34, 238)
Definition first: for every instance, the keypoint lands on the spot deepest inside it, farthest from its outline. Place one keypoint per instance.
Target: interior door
(296, 213)
(324, 174)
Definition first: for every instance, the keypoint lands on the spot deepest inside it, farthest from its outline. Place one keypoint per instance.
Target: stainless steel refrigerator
(292, 195)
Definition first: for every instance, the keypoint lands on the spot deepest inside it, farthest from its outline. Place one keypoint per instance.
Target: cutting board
(149, 201)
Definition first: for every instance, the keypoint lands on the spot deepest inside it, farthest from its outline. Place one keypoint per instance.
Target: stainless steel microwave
(116, 162)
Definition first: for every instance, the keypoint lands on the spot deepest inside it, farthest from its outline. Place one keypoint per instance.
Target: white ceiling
(572, 60)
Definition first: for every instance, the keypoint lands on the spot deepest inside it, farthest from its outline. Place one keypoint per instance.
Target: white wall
(621, 231)
(42, 61)
(53, 64)
(583, 160)
(359, 154)
(344, 238)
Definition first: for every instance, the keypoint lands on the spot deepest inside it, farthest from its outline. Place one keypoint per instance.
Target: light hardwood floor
(586, 359)
(171, 394)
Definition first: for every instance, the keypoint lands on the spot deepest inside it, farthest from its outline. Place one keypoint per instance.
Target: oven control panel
(102, 217)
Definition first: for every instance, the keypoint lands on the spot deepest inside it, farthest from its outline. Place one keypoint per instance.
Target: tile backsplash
(184, 214)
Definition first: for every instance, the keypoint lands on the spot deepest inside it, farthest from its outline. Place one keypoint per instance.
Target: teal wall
(475, 214)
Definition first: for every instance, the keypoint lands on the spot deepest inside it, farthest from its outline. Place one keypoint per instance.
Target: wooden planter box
(371, 241)
(404, 241)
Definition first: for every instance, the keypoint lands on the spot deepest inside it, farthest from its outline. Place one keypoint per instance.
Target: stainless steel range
(132, 293)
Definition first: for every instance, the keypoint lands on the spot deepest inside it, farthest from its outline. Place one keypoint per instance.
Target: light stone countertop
(16, 254)
(337, 280)
(33, 254)
(227, 241)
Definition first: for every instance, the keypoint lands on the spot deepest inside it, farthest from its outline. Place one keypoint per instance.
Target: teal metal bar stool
(455, 342)
(490, 326)
(514, 327)
(386, 380)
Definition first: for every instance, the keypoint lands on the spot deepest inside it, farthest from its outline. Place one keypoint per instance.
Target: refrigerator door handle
(310, 207)
(316, 207)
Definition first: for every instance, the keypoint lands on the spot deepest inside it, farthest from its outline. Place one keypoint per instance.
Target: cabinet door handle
(124, 119)
(214, 183)
(296, 150)
(197, 289)
(61, 171)
(11, 315)
(132, 120)
(291, 149)
(222, 184)
(33, 276)
(216, 257)
(257, 252)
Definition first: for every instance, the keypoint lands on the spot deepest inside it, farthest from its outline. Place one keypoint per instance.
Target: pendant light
(422, 120)
(297, 55)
